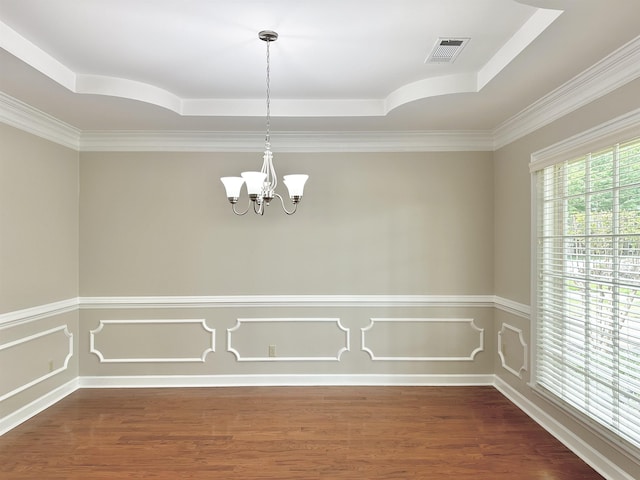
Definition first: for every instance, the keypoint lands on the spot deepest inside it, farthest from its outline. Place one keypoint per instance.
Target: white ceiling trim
(34, 56)
(474, 82)
(610, 73)
(18, 114)
(532, 28)
(83, 83)
(436, 141)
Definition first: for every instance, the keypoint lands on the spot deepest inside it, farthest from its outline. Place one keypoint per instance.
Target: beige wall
(513, 189)
(38, 266)
(393, 223)
(159, 224)
(38, 221)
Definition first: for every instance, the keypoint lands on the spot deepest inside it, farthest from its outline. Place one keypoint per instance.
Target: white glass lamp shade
(232, 185)
(295, 184)
(255, 181)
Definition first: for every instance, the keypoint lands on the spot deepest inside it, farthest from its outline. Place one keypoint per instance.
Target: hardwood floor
(362, 433)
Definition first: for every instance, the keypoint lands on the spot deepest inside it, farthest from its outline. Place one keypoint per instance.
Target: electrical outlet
(51, 365)
(272, 350)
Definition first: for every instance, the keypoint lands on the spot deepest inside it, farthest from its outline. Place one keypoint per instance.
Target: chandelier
(261, 185)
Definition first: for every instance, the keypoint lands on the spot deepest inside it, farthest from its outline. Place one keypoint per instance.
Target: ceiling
(338, 65)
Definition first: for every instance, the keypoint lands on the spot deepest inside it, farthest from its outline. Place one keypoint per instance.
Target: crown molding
(180, 141)
(39, 312)
(18, 114)
(612, 72)
(617, 130)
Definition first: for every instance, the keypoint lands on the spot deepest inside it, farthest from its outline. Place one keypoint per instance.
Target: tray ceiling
(354, 65)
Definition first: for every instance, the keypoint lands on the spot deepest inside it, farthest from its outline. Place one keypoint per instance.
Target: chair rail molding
(17, 317)
(25, 315)
(226, 301)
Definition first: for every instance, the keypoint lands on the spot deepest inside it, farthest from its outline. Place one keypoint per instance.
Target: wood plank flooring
(363, 433)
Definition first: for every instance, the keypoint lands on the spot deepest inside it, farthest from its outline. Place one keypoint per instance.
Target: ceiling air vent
(446, 50)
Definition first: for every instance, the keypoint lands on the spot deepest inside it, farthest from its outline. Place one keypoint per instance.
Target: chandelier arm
(295, 205)
(260, 209)
(233, 207)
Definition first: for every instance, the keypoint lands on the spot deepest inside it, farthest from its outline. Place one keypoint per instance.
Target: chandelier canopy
(261, 185)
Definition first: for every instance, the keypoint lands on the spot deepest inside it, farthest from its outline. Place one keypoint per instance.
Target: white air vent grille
(446, 50)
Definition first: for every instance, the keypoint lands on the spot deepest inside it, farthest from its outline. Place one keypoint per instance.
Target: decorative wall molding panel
(42, 355)
(512, 350)
(287, 339)
(152, 341)
(422, 339)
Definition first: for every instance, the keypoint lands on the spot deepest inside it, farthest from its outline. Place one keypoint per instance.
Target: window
(587, 320)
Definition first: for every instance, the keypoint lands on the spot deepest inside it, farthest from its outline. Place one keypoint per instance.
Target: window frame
(617, 131)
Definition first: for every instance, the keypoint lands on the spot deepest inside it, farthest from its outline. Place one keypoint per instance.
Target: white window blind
(588, 286)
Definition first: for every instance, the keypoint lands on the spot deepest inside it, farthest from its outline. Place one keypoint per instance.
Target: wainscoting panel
(287, 339)
(512, 350)
(422, 339)
(152, 341)
(40, 356)
(287, 335)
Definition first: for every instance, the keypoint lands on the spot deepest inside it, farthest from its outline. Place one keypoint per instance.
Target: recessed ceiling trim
(283, 107)
(612, 72)
(431, 87)
(131, 89)
(533, 27)
(34, 56)
(86, 83)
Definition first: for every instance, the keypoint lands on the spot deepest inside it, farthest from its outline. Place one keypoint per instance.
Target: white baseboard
(151, 381)
(156, 381)
(32, 409)
(588, 454)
